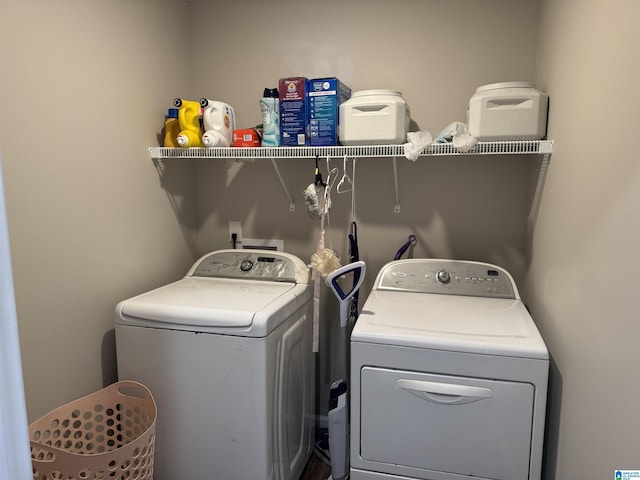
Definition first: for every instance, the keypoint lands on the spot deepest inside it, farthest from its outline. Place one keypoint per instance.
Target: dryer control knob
(444, 277)
(246, 265)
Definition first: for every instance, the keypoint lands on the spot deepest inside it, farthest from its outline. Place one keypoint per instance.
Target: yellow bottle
(171, 128)
(189, 118)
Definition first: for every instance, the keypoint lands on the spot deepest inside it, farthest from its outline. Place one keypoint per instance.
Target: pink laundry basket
(109, 434)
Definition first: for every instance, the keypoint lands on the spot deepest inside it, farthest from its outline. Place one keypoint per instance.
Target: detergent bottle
(219, 123)
(171, 128)
(270, 107)
(189, 118)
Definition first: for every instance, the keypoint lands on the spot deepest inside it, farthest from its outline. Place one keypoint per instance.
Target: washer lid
(208, 302)
(493, 326)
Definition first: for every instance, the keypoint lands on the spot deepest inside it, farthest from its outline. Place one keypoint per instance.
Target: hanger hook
(345, 183)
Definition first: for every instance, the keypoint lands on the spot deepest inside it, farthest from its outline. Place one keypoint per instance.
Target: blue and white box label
(627, 475)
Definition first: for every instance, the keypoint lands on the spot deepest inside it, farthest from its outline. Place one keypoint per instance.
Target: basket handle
(52, 452)
(131, 389)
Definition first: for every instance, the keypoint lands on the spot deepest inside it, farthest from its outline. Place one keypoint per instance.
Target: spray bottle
(219, 123)
(270, 107)
(189, 117)
(171, 128)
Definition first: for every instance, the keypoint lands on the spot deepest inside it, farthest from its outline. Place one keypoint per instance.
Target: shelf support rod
(396, 208)
(292, 206)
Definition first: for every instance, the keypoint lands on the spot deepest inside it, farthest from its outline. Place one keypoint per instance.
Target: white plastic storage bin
(374, 117)
(508, 111)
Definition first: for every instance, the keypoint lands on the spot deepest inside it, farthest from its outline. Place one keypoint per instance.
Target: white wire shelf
(542, 147)
(515, 147)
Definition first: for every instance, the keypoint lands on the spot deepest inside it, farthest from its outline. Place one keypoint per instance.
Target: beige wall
(583, 281)
(84, 87)
(436, 53)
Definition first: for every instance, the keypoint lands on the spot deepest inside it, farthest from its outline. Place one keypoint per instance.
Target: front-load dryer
(449, 376)
(227, 354)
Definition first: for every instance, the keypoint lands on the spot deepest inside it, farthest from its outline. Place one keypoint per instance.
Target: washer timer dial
(246, 265)
(443, 277)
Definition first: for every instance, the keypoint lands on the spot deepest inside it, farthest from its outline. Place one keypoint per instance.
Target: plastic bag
(458, 134)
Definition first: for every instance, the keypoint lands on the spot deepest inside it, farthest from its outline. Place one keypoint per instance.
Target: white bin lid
(367, 93)
(504, 85)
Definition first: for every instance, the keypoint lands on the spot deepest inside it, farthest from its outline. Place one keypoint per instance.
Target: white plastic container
(374, 117)
(508, 111)
(219, 122)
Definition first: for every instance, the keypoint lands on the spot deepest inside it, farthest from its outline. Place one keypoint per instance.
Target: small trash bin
(109, 434)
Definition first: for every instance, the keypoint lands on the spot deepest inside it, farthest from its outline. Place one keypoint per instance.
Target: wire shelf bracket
(292, 205)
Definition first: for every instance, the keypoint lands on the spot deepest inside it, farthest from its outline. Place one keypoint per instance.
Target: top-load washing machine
(226, 352)
(448, 376)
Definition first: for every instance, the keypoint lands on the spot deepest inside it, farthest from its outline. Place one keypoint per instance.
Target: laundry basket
(109, 434)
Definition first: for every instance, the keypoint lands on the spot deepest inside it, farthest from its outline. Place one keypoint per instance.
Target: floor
(316, 469)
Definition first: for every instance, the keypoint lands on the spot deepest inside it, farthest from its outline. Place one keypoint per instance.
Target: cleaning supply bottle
(270, 107)
(189, 117)
(219, 122)
(171, 128)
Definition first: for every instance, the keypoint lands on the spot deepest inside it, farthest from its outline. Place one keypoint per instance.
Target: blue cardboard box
(324, 98)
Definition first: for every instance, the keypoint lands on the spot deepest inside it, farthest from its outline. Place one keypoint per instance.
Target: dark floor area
(316, 469)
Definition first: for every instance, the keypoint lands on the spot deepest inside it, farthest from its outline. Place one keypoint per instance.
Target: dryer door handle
(444, 393)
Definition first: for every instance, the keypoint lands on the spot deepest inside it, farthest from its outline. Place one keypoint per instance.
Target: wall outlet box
(235, 228)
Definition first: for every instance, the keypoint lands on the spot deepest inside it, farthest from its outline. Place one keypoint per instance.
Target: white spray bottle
(219, 122)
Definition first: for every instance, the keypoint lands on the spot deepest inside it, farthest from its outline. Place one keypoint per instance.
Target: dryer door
(466, 426)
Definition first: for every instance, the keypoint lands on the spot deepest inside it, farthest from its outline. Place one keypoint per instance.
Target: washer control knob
(443, 277)
(246, 265)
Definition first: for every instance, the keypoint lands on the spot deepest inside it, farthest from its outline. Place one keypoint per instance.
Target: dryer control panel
(251, 265)
(450, 277)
